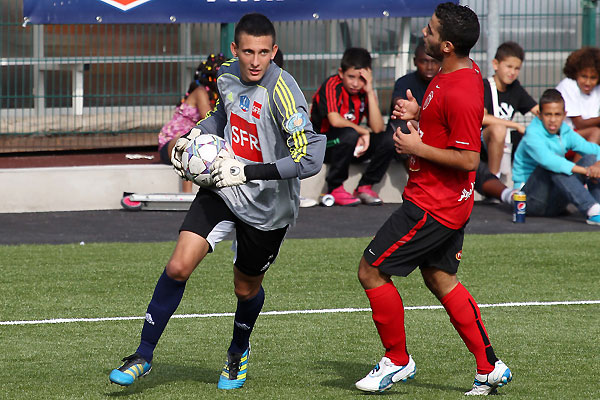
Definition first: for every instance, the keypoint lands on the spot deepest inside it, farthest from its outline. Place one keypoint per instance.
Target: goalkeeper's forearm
(284, 168)
(262, 172)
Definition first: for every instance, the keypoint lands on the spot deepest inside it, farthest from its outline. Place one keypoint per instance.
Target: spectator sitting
(581, 92)
(503, 94)
(417, 81)
(549, 180)
(197, 102)
(486, 183)
(490, 186)
(337, 110)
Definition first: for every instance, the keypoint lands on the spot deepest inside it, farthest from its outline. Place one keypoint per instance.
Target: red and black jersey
(450, 118)
(333, 97)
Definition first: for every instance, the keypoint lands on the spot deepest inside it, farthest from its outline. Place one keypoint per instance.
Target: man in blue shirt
(541, 170)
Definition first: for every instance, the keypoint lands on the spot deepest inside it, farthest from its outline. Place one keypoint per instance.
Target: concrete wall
(102, 187)
(80, 188)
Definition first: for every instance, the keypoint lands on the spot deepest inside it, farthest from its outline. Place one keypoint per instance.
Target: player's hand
(367, 75)
(407, 143)
(521, 129)
(176, 154)
(362, 145)
(593, 171)
(179, 147)
(406, 109)
(227, 172)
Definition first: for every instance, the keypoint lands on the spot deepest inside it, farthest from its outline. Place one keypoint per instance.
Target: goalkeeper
(262, 113)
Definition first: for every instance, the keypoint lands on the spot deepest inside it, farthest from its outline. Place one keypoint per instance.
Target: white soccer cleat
(385, 374)
(487, 384)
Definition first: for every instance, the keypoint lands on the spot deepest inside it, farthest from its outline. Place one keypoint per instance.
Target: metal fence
(98, 86)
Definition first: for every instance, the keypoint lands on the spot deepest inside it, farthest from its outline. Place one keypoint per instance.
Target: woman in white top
(581, 92)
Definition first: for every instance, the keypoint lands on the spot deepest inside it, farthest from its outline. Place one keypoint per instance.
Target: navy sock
(165, 300)
(245, 317)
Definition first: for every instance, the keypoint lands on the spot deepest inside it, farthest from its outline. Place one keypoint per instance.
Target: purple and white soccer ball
(199, 155)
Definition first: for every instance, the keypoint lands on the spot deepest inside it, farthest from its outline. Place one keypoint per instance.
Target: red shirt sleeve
(464, 116)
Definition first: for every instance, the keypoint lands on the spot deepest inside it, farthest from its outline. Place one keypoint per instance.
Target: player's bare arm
(593, 171)
(581, 123)
(535, 110)
(407, 109)
(411, 143)
(489, 119)
(375, 118)
(337, 121)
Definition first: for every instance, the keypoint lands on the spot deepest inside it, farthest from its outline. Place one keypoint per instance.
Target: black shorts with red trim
(412, 238)
(255, 249)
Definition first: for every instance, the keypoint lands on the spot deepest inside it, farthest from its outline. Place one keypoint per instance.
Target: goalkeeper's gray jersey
(265, 122)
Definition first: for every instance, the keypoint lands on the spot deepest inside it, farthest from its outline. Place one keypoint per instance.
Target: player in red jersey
(427, 231)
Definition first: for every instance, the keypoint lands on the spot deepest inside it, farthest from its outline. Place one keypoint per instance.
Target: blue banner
(188, 11)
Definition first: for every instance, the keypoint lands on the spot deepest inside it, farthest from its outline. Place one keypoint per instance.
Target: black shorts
(411, 238)
(255, 249)
(165, 157)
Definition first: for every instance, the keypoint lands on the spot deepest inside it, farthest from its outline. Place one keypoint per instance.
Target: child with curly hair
(581, 92)
(199, 99)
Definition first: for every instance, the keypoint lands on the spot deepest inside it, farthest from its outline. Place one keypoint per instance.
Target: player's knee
(348, 137)
(179, 270)
(495, 133)
(369, 276)
(594, 135)
(245, 292)
(438, 282)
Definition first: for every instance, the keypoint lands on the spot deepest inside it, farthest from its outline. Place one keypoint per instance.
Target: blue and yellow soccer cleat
(234, 372)
(134, 367)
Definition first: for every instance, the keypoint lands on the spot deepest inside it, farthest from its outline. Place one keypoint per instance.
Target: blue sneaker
(593, 220)
(385, 374)
(234, 372)
(134, 367)
(487, 384)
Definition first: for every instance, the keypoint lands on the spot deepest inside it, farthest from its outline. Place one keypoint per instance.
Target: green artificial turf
(552, 350)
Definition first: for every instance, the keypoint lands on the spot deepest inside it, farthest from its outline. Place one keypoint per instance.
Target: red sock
(388, 315)
(466, 318)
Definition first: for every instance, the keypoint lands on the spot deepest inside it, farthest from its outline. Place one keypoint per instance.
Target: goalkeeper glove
(227, 172)
(179, 147)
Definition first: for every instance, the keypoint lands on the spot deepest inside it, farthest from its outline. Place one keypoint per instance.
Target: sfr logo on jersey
(244, 139)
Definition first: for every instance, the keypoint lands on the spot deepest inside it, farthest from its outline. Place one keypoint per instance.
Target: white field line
(323, 311)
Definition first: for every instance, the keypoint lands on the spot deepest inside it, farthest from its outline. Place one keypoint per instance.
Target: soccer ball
(200, 154)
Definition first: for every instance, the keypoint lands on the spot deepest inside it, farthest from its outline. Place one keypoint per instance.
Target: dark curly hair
(206, 75)
(586, 57)
(459, 25)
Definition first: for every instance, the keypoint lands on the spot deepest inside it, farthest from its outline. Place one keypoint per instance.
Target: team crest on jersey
(244, 139)
(428, 100)
(125, 5)
(256, 107)
(295, 123)
(244, 103)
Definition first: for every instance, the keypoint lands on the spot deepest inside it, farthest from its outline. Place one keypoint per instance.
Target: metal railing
(87, 86)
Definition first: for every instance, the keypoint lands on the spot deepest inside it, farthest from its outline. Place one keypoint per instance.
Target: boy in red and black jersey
(427, 231)
(338, 108)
